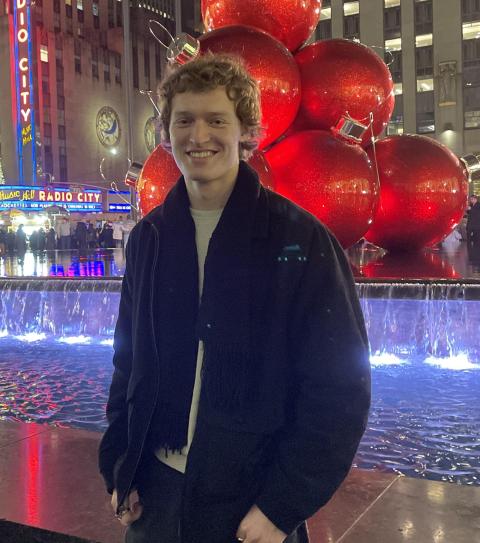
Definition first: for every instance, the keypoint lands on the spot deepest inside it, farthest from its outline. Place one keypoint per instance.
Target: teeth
(201, 154)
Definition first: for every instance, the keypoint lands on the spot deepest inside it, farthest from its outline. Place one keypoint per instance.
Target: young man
(241, 386)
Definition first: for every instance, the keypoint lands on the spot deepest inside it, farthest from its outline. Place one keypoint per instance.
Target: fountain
(56, 339)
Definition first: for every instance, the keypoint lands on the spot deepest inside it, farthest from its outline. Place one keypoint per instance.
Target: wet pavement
(50, 480)
(453, 260)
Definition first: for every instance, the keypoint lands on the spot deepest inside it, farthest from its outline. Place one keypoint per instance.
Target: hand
(257, 528)
(132, 501)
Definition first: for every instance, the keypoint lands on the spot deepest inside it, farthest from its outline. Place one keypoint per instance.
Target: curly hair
(207, 73)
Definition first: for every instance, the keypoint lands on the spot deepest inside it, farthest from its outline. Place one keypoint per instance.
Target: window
(61, 102)
(95, 9)
(424, 60)
(60, 73)
(56, 6)
(62, 134)
(395, 125)
(95, 71)
(351, 27)
(45, 69)
(111, 14)
(470, 10)
(43, 53)
(80, 16)
(146, 63)
(47, 130)
(392, 23)
(117, 67)
(471, 83)
(394, 61)
(425, 112)
(106, 66)
(423, 17)
(324, 30)
(77, 49)
(119, 14)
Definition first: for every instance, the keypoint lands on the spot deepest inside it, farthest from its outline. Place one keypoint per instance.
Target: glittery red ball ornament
(342, 77)
(333, 180)
(271, 65)
(423, 193)
(289, 21)
(160, 173)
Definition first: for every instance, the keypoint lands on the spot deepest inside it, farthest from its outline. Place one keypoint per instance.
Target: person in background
(81, 235)
(64, 234)
(241, 383)
(41, 239)
(91, 236)
(473, 221)
(20, 244)
(51, 239)
(106, 235)
(10, 241)
(118, 232)
(33, 240)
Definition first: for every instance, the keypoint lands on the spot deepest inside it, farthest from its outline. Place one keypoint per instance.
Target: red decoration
(342, 77)
(160, 173)
(289, 21)
(271, 64)
(333, 180)
(423, 193)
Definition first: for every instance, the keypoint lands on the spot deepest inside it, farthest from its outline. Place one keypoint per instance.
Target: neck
(212, 194)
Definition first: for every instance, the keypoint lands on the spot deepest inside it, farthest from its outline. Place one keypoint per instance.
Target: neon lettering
(23, 64)
(22, 35)
(25, 114)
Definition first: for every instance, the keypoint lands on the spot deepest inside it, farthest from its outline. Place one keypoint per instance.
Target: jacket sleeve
(330, 389)
(115, 439)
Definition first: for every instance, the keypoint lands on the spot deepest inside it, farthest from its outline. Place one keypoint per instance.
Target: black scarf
(223, 319)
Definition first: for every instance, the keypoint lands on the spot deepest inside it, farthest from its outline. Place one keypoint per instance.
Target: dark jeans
(161, 496)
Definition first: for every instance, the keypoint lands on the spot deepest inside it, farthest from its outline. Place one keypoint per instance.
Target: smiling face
(205, 134)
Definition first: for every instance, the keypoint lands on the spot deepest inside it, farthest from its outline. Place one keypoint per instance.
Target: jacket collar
(261, 213)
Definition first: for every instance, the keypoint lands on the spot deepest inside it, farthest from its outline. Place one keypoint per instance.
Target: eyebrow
(210, 114)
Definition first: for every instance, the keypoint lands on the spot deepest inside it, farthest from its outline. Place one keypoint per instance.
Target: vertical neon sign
(21, 49)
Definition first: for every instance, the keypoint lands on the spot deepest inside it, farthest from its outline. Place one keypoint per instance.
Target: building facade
(63, 114)
(433, 51)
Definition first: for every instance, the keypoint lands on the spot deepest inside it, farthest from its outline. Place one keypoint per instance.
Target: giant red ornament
(289, 21)
(271, 65)
(342, 77)
(333, 180)
(423, 193)
(160, 173)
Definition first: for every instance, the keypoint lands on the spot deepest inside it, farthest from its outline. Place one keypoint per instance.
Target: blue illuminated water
(55, 363)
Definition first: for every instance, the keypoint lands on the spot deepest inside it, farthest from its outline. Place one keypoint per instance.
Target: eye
(217, 122)
(182, 121)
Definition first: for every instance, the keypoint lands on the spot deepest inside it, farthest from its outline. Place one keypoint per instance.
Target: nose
(200, 132)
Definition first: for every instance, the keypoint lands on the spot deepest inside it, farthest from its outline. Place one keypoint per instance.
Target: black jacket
(289, 454)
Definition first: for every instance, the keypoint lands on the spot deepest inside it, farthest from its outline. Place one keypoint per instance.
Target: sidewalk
(48, 479)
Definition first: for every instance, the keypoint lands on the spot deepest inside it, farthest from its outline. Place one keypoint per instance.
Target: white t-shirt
(205, 224)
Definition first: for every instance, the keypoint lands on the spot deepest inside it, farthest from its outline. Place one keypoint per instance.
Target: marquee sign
(35, 199)
(22, 88)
